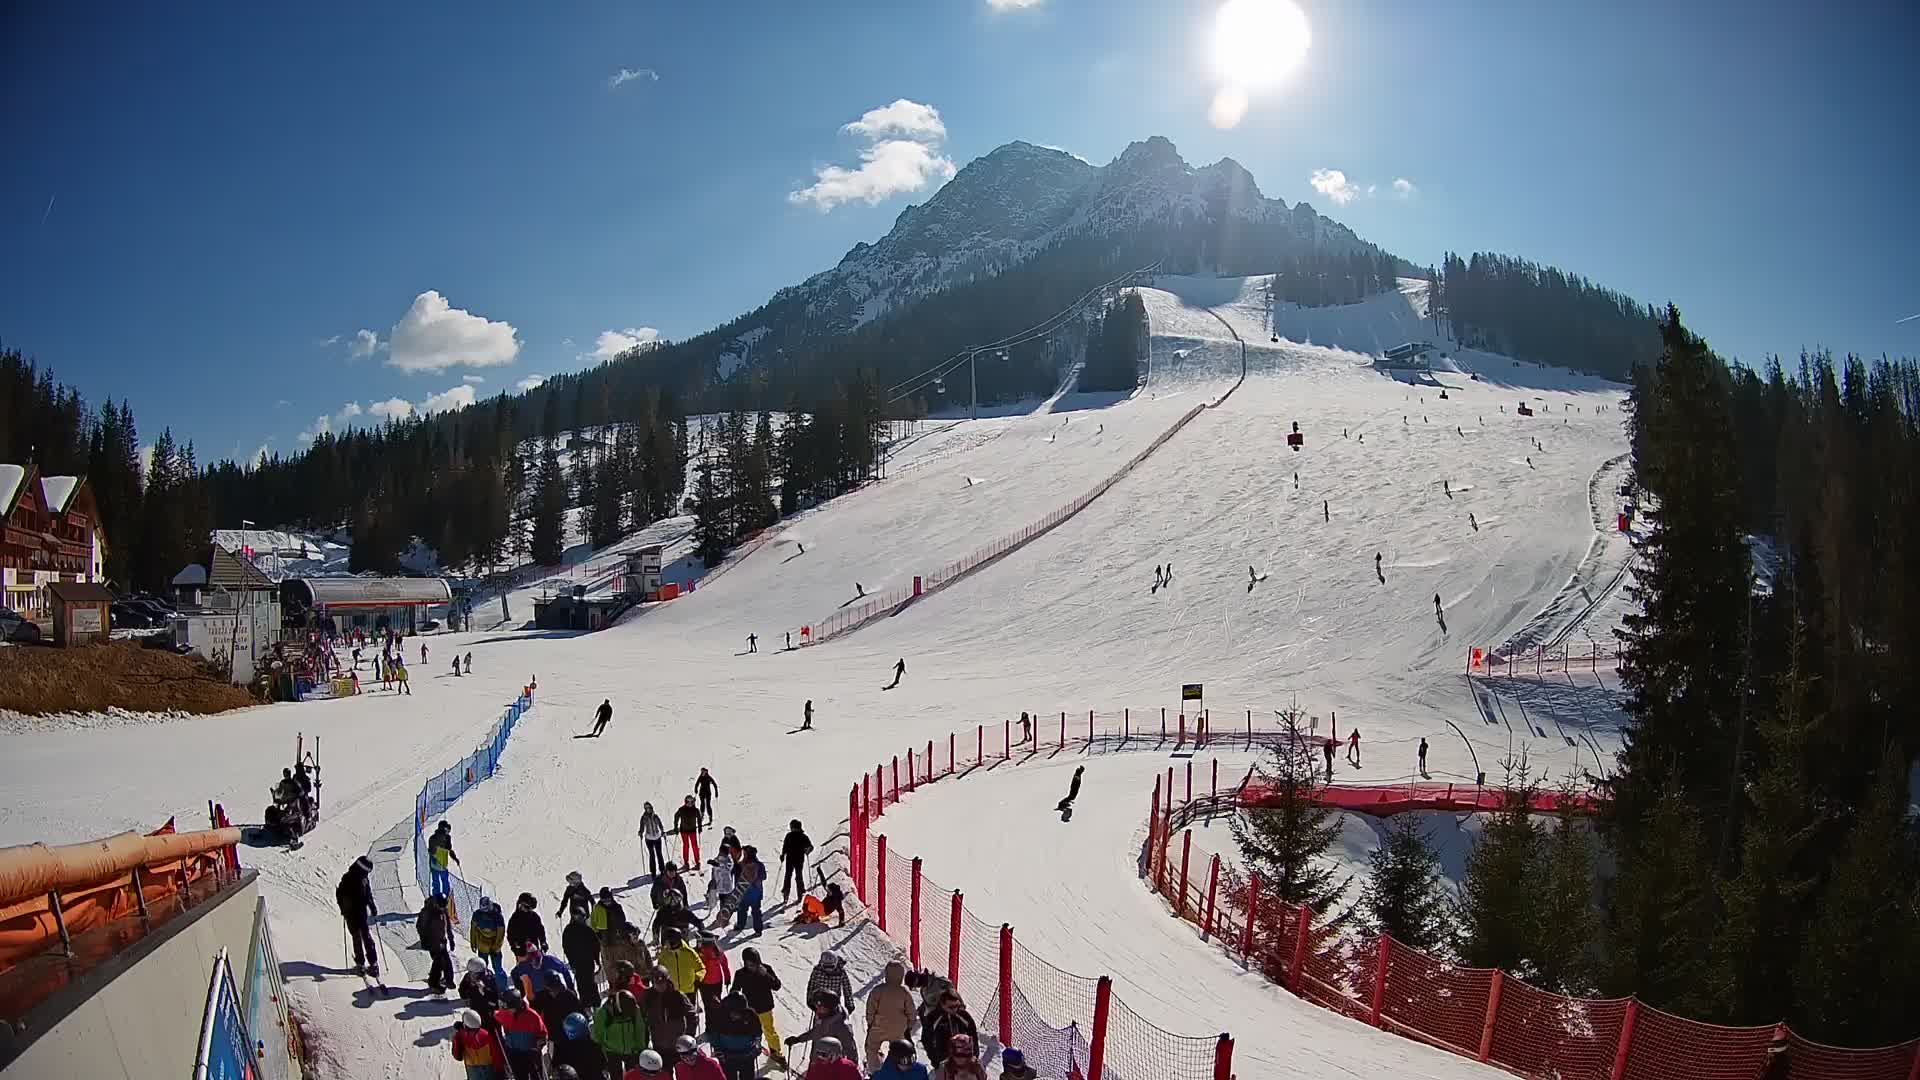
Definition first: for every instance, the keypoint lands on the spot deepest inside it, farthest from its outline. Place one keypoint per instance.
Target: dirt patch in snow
(121, 676)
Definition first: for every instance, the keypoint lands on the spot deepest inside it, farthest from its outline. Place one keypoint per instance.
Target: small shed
(79, 612)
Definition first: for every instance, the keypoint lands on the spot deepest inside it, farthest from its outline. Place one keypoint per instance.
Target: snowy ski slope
(1067, 622)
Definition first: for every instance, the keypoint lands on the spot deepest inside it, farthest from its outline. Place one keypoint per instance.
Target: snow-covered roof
(11, 477)
(57, 491)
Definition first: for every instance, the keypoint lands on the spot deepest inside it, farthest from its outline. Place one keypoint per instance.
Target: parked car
(127, 616)
(17, 627)
(157, 613)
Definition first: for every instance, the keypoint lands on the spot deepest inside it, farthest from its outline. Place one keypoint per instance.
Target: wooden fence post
(1213, 890)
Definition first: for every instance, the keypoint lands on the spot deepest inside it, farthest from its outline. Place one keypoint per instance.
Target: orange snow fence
(95, 883)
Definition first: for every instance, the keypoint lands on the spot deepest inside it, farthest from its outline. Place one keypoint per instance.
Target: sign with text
(1190, 692)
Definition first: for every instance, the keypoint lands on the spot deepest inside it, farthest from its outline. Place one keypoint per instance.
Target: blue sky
(203, 207)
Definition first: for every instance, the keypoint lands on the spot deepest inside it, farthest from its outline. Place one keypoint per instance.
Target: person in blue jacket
(900, 1064)
(531, 972)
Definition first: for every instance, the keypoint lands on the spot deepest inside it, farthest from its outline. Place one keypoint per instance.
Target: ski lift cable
(1046, 326)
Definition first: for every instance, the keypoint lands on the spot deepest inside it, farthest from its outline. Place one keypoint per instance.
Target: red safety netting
(1475, 1012)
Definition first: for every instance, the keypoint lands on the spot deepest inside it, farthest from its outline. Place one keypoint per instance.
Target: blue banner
(226, 1052)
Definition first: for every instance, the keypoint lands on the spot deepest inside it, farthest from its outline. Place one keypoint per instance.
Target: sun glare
(1257, 43)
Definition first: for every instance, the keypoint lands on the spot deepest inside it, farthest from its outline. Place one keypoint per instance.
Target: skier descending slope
(706, 787)
(601, 718)
(1073, 790)
(899, 669)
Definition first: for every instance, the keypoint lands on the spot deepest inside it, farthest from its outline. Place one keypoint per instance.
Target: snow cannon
(1295, 439)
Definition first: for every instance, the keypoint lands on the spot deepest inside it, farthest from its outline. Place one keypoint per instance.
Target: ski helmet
(575, 1025)
(573, 877)
(900, 1051)
(476, 966)
(830, 959)
(364, 863)
(649, 1062)
(513, 999)
(469, 1018)
(1013, 1057)
(684, 1045)
(828, 1048)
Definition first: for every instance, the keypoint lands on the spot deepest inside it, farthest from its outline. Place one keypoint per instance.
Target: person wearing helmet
(478, 1048)
(536, 966)
(575, 895)
(692, 1063)
(522, 1034)
(648, 1066)
(829, 1025)
(963, 1061)
(830, 1061)
(609, 919)
(900, 1063)
(582, 947)
(950, 1020)
(576, 1047)
(734, 1030)
(682, 962)
(1013, 1065)
(441, 859)
(487, 934)
(686, 822)
(620, 1029)
(480, 990)
(830, 975)
(524, 927)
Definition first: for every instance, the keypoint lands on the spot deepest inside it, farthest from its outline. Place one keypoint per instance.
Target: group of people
(661, 998)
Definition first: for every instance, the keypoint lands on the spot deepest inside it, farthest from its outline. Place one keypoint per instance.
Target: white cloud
(903, 154)
(529, 383)
(365, 343)
(473, 380)
(391, 409)
(612, 343)
(325, 425)
(434, 336)
(282, 403)
(1371, 188)
(626, 75)
(330, 342)
(1404, 187)
(1334, 185)
(905, 118)
(452, 399)
(1013, 5)
(259, 456)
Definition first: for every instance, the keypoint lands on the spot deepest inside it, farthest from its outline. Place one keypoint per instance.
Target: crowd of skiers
(660, 997)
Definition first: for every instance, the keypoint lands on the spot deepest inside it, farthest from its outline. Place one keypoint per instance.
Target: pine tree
(1859, 972)
(1402, 896)
(1660, 912)
(1286, 838)
(711, 516)
(1565, 920)
(1497, 910)
(548, 539)
(604, 513)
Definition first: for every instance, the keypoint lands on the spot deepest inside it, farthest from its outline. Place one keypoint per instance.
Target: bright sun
(1256, 43)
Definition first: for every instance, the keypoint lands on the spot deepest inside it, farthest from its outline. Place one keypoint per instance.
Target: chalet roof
(79, 592)
(222, 569)
(13, 478)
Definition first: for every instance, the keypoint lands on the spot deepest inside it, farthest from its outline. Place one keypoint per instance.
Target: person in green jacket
(621, 1030)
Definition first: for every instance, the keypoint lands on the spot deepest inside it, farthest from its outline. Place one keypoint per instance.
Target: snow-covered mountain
(1017, 202)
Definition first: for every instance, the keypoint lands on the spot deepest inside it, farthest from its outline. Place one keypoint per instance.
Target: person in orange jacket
(713, 981)
(478, 1048)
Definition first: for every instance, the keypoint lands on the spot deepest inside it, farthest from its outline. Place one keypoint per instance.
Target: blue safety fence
(443, 790)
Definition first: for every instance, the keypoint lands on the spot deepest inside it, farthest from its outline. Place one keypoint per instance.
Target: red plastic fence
(1475, 1012)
